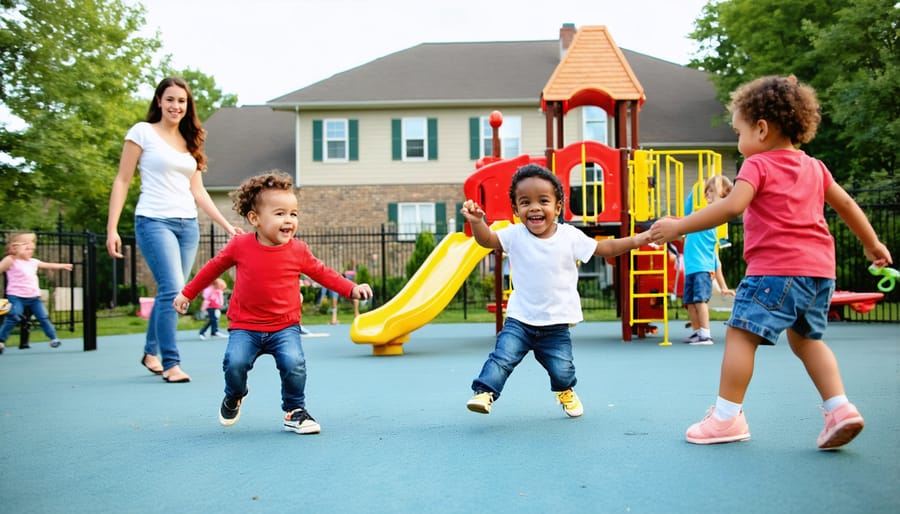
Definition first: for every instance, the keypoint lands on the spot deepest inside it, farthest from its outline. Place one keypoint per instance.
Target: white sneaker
(202, 336)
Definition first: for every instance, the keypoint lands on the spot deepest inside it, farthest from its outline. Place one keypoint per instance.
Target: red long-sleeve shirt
(265, 295)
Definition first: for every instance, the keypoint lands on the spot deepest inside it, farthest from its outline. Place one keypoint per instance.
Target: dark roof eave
(389, 104)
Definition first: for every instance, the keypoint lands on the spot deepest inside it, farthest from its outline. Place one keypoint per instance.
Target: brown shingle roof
(593, 71)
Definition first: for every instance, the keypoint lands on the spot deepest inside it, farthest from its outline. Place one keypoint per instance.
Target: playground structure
(610, 192)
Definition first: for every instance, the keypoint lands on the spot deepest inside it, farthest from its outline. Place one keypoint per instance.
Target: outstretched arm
(483, 233)
(856, 219)
(714, 214)
(206, 204)
(55, 265)
(614, 247)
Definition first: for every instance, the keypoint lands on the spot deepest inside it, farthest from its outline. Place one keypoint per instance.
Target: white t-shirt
(545, 274)
(165, 176)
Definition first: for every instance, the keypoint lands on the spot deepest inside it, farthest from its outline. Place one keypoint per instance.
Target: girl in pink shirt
(213, 301)
(789, 251)
(22, 288)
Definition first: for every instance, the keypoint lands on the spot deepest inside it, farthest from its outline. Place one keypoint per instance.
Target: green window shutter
(432, 139)
(474, 138)
(317, 141)
(353, 127)
(440, 218)
(393, 217)
(396, 140)
(460, 219)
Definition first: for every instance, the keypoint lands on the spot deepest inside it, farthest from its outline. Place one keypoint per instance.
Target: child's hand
(727, 292)
(879, 255)
(664, 230)
(361, 292)
(181, 303)
(472, 212)
(643, 239)
(67, 266)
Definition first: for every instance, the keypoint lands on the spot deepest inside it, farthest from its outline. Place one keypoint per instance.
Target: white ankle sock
(725, 409)
(834, 402)
(703, 332)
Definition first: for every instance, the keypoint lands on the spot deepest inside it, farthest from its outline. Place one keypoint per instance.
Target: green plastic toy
(889, 277)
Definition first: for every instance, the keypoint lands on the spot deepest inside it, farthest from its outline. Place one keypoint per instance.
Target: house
(394, 139)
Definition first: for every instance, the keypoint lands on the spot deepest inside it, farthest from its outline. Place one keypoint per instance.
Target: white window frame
(595, 121)
(414, 218)
(510, 137)
(328, 138)
(408, 134)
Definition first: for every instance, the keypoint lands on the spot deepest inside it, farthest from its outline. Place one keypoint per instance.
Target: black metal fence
(100, 286)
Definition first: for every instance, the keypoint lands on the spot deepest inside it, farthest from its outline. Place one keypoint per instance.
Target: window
(414, 130)
(595, 121)
(414, 139)
(483, 136)
(413, 218)
(335, 140)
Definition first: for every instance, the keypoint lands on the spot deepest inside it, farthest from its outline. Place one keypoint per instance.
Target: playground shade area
(94, 432)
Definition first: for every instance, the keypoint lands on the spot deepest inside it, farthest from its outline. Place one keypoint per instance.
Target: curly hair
(782, 101)
(248, 192)
(190, 127)
(533, 170)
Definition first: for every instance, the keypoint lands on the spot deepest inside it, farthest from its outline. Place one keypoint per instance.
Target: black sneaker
(299, 421)
(230, 411)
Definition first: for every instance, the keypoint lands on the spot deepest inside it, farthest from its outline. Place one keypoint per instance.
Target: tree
(69, 72)
(846, 50)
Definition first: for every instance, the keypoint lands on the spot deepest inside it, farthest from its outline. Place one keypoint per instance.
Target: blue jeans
(212, 321)
(552, 346)
(169, 246)
(768, 305)
(14, 316)
(245, 346)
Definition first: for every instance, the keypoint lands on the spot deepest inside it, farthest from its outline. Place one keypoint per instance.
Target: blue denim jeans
(768, 305)
(14, 316)
(169, 246)
(245, 346)
(552, 347)
(212, 322)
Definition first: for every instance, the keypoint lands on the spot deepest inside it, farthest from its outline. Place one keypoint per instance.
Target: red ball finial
(496, 119)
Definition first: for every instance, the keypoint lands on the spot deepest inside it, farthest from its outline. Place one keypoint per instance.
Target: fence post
(89, 294)
(383, 296)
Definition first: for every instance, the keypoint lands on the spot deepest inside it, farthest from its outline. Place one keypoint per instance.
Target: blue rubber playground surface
(95, 432)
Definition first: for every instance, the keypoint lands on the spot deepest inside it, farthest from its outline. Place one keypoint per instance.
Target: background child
(264, 311)
(545, 300)
(22, 288)
(789, 253)
(701, 263)
(213, 301)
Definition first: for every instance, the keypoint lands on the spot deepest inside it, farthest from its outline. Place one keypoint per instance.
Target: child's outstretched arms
(483, 234)
(614, 247)
(55, 265)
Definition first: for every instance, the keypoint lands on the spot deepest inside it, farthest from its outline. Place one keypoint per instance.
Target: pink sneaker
(712, 430)
(841, 426)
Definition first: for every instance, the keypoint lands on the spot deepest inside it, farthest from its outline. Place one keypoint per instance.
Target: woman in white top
(167, 149)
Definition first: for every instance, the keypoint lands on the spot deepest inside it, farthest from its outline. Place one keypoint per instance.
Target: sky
(263, 49)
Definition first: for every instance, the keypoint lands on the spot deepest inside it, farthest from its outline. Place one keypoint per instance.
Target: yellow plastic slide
(425, 295)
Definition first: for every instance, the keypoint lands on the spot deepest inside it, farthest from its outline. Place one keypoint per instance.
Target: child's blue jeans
(552, 347)
(14, 316)
(245, 346)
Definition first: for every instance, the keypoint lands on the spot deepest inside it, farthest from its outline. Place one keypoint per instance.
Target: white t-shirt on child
(545, 274)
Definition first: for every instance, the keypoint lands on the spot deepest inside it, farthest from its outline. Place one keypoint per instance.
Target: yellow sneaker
(481, 403)
(570, 403)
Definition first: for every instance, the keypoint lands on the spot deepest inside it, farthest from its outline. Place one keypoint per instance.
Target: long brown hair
(190, 127)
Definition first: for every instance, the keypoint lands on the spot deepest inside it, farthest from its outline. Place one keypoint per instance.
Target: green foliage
(847, 50)
(75, 77)
(425, 244)
(69, 70)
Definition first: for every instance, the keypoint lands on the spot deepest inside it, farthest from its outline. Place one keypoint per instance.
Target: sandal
(155, 371)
